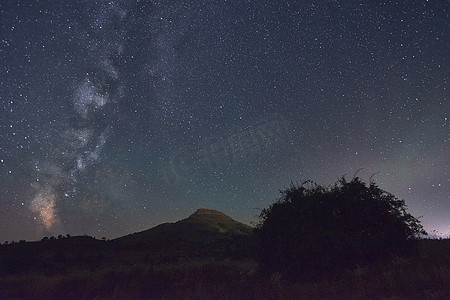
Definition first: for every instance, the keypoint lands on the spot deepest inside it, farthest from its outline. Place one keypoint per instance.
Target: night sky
(120, 115)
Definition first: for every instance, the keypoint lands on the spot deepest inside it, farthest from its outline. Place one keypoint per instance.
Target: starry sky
(116, 116)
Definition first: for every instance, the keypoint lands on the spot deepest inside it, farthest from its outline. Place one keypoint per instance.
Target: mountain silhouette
(205, 232)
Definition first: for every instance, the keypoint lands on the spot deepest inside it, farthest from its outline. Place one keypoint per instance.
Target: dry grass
(424, 277)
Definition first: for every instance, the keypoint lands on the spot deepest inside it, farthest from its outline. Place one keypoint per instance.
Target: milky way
(119, 115)
(81, 145)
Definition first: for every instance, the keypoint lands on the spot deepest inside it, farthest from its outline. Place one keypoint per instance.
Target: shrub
(312, 229)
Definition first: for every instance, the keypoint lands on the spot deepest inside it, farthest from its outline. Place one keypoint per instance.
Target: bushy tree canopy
(311, 228)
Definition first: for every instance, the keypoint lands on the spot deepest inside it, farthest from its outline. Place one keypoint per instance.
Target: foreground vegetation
(426, 276)
(313, 229)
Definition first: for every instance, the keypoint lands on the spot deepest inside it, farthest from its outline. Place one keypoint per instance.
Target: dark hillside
(206, 232)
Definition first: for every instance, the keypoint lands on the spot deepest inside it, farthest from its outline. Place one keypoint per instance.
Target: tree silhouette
(312, 229)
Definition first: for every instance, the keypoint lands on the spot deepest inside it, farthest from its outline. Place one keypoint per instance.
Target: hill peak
(207, 211)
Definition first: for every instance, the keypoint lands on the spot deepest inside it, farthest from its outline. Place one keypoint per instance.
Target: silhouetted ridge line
(207, 211)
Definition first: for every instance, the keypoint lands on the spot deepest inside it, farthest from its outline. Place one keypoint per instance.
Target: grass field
(131, 274)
